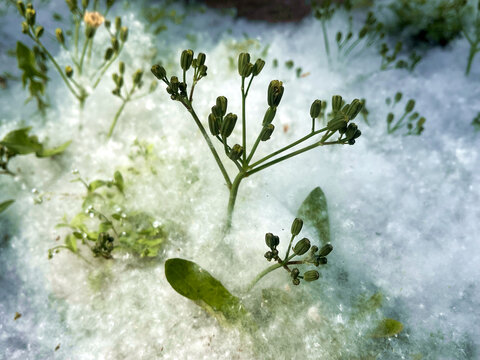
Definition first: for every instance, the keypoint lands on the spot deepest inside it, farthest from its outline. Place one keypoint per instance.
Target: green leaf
(314, 212)
(4, 205)
(71, 243)
(53, 151)
(26, 62)
(387, 328)
(94, 185)
(193, 282)
(20, 143)
(119, 183)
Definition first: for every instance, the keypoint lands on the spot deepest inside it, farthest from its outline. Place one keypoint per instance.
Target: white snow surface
(404, 210)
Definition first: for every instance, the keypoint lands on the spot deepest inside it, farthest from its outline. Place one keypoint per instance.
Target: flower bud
(108, 23)
(159, 72)
(115, 44)
(30, 16)
(121, 67)
(68, 71)
(325, 250)
(110, 3)
(247, 70)
(222, 105)
(296, 281)
(390, 117)
(351, 131)
(311, 275)
(268, 255)
(315, 109)
(186, 59)
(258, 66)
(89, 32)
(217, 111)
(275, 93)
(313, 249)
(85, 3)
(354, 109)
(25, 27)
(201, 57)
(243, 60)
(123, 34)
(21, 8)
(228, 125)
(295, 272)
(269, 116)
(236, 152)
(29, 6)
(410, 105)
(362, 32)
(39, 32)
(72, 4)
(202, 70)
(118, 23)
(336, 123)
(296, 226)
(174, 83)
(153, 86)
(59, 35)
(339, 37)
(266, 132)
(320, 260)
(213, 124)
(108, 54)
(302, 246)
(271, 240)
(137, 77)
(336, 103)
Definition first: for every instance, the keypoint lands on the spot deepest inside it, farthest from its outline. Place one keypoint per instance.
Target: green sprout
(390, 58)
(412, 120)
(221, 124)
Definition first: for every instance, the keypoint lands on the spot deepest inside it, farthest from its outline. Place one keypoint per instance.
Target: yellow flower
(93, 19)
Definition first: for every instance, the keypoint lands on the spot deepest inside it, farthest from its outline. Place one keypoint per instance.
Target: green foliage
(104, 226)
(390, 58)
(33, 74)
(409, 120)
(196, 284)
(476, 122)
(387, 328)
(314, 212)
(5, 204)
(19, 142)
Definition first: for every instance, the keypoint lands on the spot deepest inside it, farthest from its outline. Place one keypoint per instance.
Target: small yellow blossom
(93, 19)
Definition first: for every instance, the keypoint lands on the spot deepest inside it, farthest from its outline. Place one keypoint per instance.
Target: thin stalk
(89, 53)
(83, 55)
(288, 250)
(471, 56)
(115, 119)
(232, 199)
(325, 39)
(75, 38)
(254, 148)
(189, 107)
(265, 272)
(107, 66)
(244, 124)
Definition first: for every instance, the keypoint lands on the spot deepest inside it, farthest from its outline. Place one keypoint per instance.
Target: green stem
(75, 38)
(288, 250)
(106, 67)
(89, 54)
(325, 39)
(244, 124)
(471, 56)
(189, 107)
(232, 199)
(83, 55)
(265, 272)
(254, 148)
(115, 119)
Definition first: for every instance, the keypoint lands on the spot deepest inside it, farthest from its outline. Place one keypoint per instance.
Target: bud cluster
(409, 119)
(342, 115)
(314, 256)
(103, 246)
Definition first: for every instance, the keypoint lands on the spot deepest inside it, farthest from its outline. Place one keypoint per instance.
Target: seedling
(80, 77)
(390, 58)
(221, 125)
(412, 120)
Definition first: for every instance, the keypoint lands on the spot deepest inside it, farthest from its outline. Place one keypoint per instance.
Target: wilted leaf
(314, 212)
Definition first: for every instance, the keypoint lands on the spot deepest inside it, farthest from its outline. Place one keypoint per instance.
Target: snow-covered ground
(404, 210)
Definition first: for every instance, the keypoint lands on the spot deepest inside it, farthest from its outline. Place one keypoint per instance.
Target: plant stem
(267, 271)
(107, 66)
(115, 119)
(471, 56)
(83, 55)
(231, 201)
(325, 39)
(244, 125)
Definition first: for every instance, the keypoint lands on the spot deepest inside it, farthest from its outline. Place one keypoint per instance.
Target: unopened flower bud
(269, 116)
(302, 246)
(213, 124)
(174, 83)
(72, 4)
(159, 72)
(217, 111)
(68, 71)
(362, 32)
(186, 59)
(271, 240)
(311, 275)
(25, 27)
(315, 109)
(336, 124)
(243, 60)
(338, 37)
(354, 109)
(85, 3)
(59, 36)
(89, 32)
(266, 132)
(202, 70)
(336, 103)
(296, 281)
(351, 131)
(314, 249)
(121, 67)
(30, 16)
(21, 8)
(236, 152)
(137, 77)
(390, 117)
(247, 70)
(201, 57)
(228, 125)
(325, 250)
(268, 255)
(118, 23)
(258, 66)
(296, 226)
(123, 34)
(295, 272)
(410, 105)
(222, 105)
(275, 93)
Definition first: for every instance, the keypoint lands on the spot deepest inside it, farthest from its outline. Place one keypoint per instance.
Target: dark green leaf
(4, 205)
(314, 212)
(53, 151)
(20, 143)
(26, 62)
(193, 282)
(119, 181)
(387, 328)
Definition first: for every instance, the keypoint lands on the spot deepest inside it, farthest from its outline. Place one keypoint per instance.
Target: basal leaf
(4, 205)
(19, 142)
(314, 212)
(119, 181)
(387, 328)
(193, 282)
(54, 151)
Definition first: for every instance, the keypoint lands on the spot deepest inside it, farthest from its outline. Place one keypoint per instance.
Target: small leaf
(193, 282)
(94, 185)
(4, 205)
(53, 151)
(119, 183)
(314, 212)
(20, 143)
(71, 243)
(387, 328)
(104, 227)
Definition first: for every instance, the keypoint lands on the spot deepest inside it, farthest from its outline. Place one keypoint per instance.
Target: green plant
(414, 122)
(476, 122)
(390, 58)
(221, 124)
(470, 28)
(80, 78)
(105, 226)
